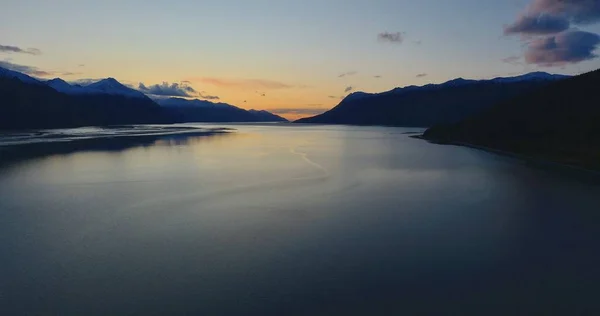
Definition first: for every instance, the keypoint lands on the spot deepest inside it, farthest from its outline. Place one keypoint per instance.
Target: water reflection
(294, 221)
(19, 147)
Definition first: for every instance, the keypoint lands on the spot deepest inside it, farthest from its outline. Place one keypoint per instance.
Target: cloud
(513, 60)
(208, 97)
(81, 65)
(29, 70)
(68, 73)
(554, 16)
(547, 26)
(85, 81)
(397, 37)
(421, 75)
(537, 24)
(576, 11)
(349, 88)
(418, 42)
(168, 90)
(242, 83)
(378, 76)
(15, 49)
(349, 73)
(566, 47)
(333, 97)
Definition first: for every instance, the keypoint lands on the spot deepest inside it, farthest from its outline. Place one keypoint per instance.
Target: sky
(295, 57)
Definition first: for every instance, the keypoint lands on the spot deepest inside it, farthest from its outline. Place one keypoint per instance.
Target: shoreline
(10, 153)
(529, 159)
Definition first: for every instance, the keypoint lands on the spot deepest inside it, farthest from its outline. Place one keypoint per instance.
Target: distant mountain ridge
(27, 102)
(424, 106)
(195, 110)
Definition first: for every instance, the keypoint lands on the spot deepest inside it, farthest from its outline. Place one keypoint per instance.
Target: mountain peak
(457, 81)
(112, 86)
(112, 82)
(57, 81)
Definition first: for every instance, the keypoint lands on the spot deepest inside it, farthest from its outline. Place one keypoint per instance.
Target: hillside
(558, 122)
(429, 105)
(184, 110)
(30, 105)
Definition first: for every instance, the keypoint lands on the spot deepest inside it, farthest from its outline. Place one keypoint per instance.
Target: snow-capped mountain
(64, 87)
(105, 86)
(113, 87)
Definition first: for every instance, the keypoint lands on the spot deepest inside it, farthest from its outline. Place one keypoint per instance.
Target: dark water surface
(291, 220)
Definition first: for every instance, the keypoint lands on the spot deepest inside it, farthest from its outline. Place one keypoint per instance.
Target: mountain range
(29, 103)
(425, 106)
(558, 123)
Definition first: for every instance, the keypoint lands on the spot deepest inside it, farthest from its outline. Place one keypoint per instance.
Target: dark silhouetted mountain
(558, 122)
(431, 104)
(6, 73)
(30, 104)
(183, 110)
(266, 116)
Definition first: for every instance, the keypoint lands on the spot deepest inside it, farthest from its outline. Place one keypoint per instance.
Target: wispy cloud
(421, 75)
(204, 96)
(262, 84)
(378, 76)
(68, 73)
(349, 73)
(333, 97)
(29, 70)
(512, 60)
(349, 88)
(397, 37)
(168, 89)
(16, 49)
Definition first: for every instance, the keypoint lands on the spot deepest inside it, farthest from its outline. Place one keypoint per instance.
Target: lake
(283, 219)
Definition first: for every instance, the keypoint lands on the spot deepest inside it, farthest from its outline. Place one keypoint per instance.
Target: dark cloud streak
(397, 37)
(16, 49)
(512, 60)
(349, 73)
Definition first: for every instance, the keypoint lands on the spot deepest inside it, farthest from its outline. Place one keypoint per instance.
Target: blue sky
(271, 54)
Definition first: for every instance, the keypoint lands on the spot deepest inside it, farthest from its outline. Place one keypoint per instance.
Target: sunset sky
(295, 58)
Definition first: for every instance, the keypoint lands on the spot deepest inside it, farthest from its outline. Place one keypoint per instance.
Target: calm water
(291, 220)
